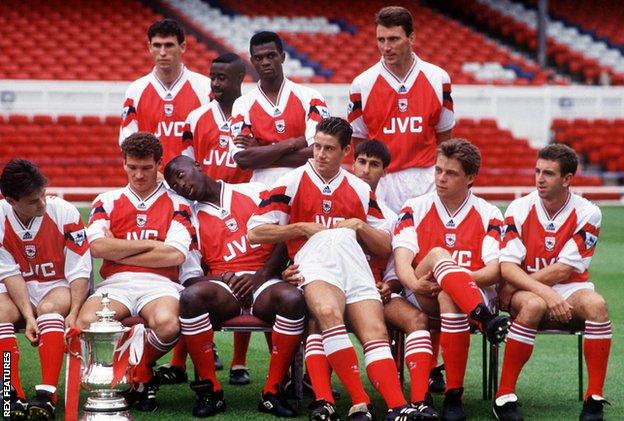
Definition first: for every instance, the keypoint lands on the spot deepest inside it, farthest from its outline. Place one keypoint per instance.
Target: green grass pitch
(547, 387)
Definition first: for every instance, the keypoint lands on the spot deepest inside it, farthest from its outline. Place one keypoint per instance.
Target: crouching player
(452, 238)
(143, 232)
(550, 238)
(239, 275)
(42, 242)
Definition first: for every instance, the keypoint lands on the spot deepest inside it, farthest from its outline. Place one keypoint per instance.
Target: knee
(290, 302)
(374, 330)
(49, 307)
(596, 309)
(326, 314)
(533, 308)
(166, 326)
(194, 301)
(418, 321)
(439, 253)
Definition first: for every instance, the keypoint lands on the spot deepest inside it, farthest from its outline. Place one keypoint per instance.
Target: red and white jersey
(472, 234)
(297, 112)
(404, 114)
(383, 268)
(208, 131)
(535, 240)
(52, 247)
(222, 234)
(162, 216)
(150, 107)
(303, 195)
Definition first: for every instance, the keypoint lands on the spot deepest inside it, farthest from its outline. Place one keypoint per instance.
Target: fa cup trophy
(102, 373)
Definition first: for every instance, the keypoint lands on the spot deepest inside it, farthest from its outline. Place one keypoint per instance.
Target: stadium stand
(75, 40)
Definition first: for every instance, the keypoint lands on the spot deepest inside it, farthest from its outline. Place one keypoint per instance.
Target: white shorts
(488, 294)
(256, 292)
(334, 256)
(566, 290)
(136, 293)
(396, 188)
(37, 290)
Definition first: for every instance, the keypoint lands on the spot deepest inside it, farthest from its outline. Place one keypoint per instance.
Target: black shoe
(436, 380)
(239, 376)
(18, 407)
(168, 374)
(321, 410)
(217, 360)
(403, 413)
(207, 401)
(592, 409)
(145, 395)
(41, 407)
(453, 408)
(276, 404)
(509, 411)
(426, 410)
(360, 412)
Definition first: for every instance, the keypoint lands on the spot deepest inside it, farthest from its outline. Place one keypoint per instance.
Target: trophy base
(109, 408)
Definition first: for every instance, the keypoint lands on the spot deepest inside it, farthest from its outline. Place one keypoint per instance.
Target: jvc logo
(175, 128)
(328, 221)
(44, 269)
(143, 235)
(462, 257)
(541, 263)
(404, 125)
(220, 158)
(237, 248)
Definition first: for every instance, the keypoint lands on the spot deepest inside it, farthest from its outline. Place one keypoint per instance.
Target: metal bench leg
(580, 365)
(484, 367)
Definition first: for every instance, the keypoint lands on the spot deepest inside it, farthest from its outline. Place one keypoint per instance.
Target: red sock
(455, 342)
(199, 335)
(382, 372)
(343, 360)
(153, 350)
(318, 368)
(178, 359)
(51, 347)
(8, 342)
(241, 345)
(435, 347)
(457, 282)
(418, 361)
(518, 350)
(597, 345)
(286, 338)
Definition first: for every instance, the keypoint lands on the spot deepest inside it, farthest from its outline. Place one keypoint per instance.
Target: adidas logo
(27, 236)
(450, 224)
(141, 205)
(402, 89)
(168, 96)
(550, 227)
(327, 190)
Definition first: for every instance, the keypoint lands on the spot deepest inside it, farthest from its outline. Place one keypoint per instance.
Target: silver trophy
(98, 346)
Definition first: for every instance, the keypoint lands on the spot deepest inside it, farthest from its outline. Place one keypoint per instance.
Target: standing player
(319, 210)
(406, 103)
(42, 242)
(240, 276)
(454, 236)
(207, 129)
(550, 239)
(143, 232)
(160, 101)
(274, 123)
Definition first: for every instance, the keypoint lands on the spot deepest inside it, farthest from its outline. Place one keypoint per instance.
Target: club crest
(168, 108)
(30, 250)
(327, 205)
(224, 141)
(280, 126)
(450, 239)
(141, 219)
(231, 225)
(549, 243)
(402, 104)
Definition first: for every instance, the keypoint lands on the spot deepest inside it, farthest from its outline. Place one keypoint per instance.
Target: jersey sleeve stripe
(447, 100)
(406, 220)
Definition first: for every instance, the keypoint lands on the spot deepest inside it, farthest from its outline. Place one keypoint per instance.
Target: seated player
(322, 211)
(452, 238)
(143, 232)
(239, 276)
(45, 265)
(550, 239)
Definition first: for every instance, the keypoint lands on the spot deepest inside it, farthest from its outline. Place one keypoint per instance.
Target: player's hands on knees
(292, 275)
(384, 291)
(310, 228)
(32, 331)
(227, 277)
(558, 309)
(353, 223)
(245, 142)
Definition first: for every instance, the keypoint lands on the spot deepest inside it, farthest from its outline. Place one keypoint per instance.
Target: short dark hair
(374, 148)
(338, 128)
(178, 160)
(465, 152)
(265, 37)
(142, 145)
(166, 27)
(227, 58)
(395, 16)
(20, 178)
(563, 154)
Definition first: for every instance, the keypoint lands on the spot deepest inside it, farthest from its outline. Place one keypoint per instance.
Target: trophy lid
(106, 322)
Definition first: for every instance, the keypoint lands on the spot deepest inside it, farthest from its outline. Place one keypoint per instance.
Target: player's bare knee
(417, 320)
(374, 330)
(49, 307)
(532, 309)
(439, 253)
(166, 326)
(290, 302)
(596, 309)
(327, 315)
